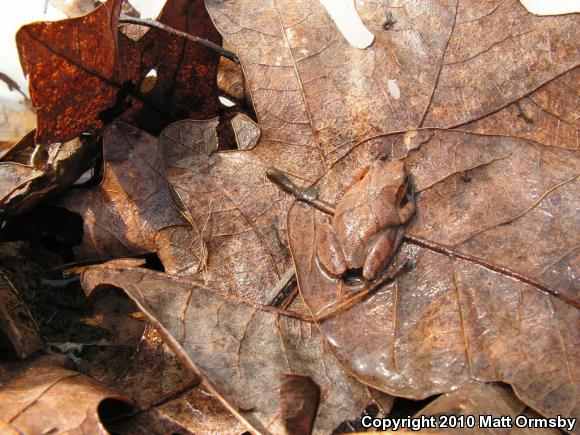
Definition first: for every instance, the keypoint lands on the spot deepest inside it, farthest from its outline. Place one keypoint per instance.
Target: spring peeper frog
(365, 227)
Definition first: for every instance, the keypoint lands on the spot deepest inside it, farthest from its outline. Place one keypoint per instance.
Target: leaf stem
(125, 19)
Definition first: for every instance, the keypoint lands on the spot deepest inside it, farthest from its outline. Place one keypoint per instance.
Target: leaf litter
(479, 101)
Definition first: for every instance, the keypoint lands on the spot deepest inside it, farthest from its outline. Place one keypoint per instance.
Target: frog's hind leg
(329, 251)
(380, 252)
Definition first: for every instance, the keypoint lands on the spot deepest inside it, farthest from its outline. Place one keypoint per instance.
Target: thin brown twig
(125, 19)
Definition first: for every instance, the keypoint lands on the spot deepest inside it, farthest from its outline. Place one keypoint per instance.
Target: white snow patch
(348, 22)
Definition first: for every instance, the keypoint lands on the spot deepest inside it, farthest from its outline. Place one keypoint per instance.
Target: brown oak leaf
(449, 320)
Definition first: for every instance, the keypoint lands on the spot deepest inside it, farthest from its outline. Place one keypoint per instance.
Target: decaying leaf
(53, 399)
(111, 67)
(147, 371)
(240, 214)
(134, 210)
(187, 141)
(29, 172)
(450, 321)
(316, 97)
(238, 349)
(16, 320)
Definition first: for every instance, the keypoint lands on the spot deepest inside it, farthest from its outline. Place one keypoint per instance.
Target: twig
(288, 186)
(12, 85)
(125, 19)
(284, 292)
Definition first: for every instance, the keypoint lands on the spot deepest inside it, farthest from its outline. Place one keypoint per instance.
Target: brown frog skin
(364, 232)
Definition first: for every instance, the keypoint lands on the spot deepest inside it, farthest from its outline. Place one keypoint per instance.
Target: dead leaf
(440, 65)
(450, 321)
(112, 66)
(548, 116)
(147, 371)
(254, 347)
(247, 131)
(30, 172)
(134, 210)
(55, 399)
(316, 97)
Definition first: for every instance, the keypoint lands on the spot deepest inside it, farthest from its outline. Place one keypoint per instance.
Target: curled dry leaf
(111, 67)
(29, 172)
(16, 320)
(549, 116)
(441, 65)
(449, 321)
(254, 347)
(53, 399)
(135, 210)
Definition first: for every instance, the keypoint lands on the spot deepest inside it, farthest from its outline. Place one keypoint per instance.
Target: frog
(368, 222)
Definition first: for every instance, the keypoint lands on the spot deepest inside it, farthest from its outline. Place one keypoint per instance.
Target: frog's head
(393, 177)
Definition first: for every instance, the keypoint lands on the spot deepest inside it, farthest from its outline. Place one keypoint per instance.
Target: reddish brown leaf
(110, 66)
(254, 347)
(135, 210)
(449, 321)
(54, 399)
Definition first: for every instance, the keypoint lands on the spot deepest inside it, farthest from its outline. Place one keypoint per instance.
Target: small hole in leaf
(226, 101)
(149, 81)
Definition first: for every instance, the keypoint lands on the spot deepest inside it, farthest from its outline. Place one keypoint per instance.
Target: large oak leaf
(450, 320)
(440, 64)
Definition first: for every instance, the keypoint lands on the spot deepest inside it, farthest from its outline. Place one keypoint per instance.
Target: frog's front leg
(407, 211)
(329, 251)
(379, 253)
